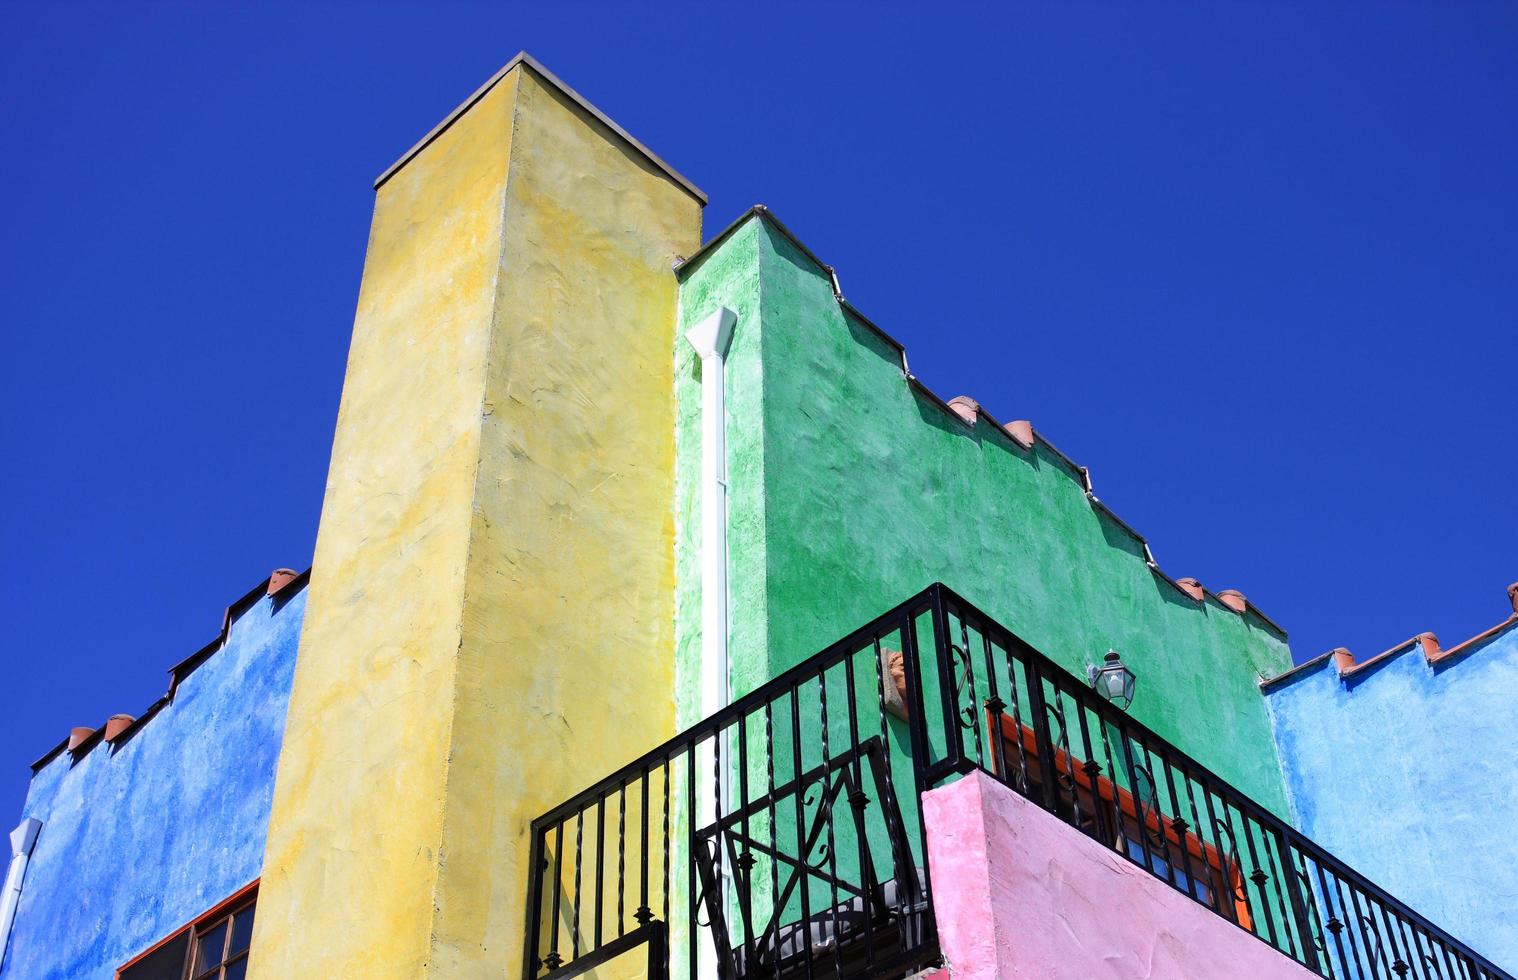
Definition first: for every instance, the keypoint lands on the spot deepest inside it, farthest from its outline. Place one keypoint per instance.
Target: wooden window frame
(244, 896)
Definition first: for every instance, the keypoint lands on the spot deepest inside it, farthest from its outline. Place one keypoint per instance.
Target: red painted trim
(1465, 647)
(220, 909)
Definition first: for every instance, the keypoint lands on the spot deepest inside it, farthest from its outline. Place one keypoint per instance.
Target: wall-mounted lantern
(1112, 680)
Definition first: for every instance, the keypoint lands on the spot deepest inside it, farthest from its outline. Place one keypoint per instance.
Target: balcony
(784, 836)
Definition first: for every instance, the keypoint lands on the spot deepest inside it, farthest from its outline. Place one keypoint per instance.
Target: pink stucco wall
(1019, 893)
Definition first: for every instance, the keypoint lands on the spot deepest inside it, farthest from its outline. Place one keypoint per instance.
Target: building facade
(662, 623)
(150, 824)
(1400, 765)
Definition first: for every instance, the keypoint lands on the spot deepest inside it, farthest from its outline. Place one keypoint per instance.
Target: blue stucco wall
(140, 838)
(1405, 771)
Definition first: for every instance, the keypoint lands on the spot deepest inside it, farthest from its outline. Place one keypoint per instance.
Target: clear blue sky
(1256, 265)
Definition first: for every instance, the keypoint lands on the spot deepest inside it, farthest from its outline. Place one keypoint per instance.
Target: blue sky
(1253, 264)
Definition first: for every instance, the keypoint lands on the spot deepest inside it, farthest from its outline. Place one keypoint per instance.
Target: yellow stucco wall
(491, 613)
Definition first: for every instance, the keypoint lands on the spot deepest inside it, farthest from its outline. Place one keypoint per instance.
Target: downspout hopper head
(714, 334)
(24, 837)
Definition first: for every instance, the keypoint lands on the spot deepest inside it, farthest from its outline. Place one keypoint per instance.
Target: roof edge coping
(523, 58)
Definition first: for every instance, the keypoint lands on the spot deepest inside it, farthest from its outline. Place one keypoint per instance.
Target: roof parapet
(83, 738)
(1348, 669)
(964, 408)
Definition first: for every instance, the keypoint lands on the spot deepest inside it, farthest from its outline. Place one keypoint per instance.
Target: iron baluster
(769, 765)
(971, 711)
(553, 959)
(744, 862)
(1313, 937)
(536, 865)
(858, 801)
(693, 938)
(1041, 743)
(948, 687)
(994, 706)
(825, 813)
(801, 846)
(644, 914)
(664, 845)
(574, 929)
(1334, 924)
(621, 859)
(1093, 770)
(1062, 747)
(1139, 815)
(1258, 876)
(1377, 952)
(600, 888)
(1180, 827)
(1399, 965)
(1229, 863)
(897, 861)
(1283, 883)
(1233, 861)
(1020, 782)
(1351, 926)
(1150, 797)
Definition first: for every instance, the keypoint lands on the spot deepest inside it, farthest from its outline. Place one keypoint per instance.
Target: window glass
(242, 931)
(164, 963)
(209, 951)
(1158, 861)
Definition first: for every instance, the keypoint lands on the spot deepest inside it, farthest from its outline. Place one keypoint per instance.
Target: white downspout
(710, 338)
(23, 839)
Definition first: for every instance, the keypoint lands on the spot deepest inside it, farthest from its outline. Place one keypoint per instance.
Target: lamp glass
(1114, 681)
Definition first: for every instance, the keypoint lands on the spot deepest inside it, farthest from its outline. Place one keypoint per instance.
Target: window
(212, 947)
(221, 946)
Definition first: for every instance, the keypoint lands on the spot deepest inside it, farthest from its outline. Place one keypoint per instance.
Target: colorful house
(1400, 765)
(663, 623)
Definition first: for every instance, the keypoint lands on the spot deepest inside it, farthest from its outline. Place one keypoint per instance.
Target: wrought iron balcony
(783, 836)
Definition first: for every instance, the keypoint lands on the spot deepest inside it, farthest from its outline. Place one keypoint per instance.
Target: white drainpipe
(710, 338)
(23, 838)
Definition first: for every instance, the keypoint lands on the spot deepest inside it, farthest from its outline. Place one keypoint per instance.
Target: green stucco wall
(851, 490)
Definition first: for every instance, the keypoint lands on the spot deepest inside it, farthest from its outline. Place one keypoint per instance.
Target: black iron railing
(782, 837)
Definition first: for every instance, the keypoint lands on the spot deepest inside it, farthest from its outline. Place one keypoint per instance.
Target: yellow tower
(490, 621)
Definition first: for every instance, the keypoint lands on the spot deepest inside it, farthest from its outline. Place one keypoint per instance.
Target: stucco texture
(492, 616)
(140, 837)
(851, 490)
(1019, 893)
(1405, 772)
